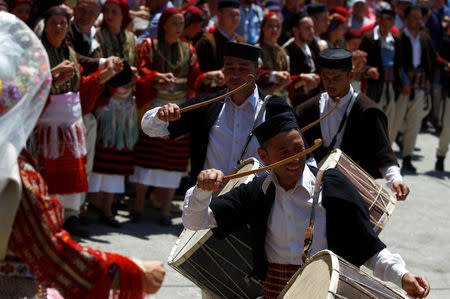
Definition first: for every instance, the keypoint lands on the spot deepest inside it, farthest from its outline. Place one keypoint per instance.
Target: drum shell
(220, 267)
(380, 202)
(339, 279)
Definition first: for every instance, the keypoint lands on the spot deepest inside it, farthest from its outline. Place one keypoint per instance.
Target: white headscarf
(24, 86)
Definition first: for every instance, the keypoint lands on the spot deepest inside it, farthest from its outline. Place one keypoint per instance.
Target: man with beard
(319, 14)
(303, 60)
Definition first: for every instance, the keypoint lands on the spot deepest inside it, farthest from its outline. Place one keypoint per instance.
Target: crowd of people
(117, 72)
(112, 119)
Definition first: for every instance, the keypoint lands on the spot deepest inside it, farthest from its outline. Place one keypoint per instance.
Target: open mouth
(293, 168)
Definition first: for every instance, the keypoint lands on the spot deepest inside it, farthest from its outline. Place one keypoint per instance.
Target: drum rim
(331, 160)
(172, 261)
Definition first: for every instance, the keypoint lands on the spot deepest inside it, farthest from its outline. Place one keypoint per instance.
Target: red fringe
(131, 280)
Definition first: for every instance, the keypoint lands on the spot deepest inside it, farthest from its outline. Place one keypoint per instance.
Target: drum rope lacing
(365, 184)
(364, 287)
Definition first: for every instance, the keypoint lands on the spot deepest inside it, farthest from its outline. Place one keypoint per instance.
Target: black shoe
(110, 221)
(165, 221)
(407, 165)
(135, 217)
(84, 220)
(439, 166)
(73, 226)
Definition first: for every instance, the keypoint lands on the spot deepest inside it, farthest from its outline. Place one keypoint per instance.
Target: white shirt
(289, 219)
(376, 36)
(227, 136)
(416, 48)
(93, 43)
(287, 224)
(330, 125)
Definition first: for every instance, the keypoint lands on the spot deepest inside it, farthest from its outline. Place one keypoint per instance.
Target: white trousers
(444, 139)
(409, 113)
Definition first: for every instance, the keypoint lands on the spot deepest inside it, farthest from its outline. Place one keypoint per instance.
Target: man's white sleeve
(196, 212)
(152, 125)
(391, 174)
(387, 266)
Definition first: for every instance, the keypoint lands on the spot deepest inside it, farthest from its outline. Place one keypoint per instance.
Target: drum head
(249, 164)
(188, 242)
(315, 279)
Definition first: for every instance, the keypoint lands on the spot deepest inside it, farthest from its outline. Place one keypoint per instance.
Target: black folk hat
(241, 50)
(336, 59)
(273, 126)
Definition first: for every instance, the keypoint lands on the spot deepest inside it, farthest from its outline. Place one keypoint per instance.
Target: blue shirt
(152, 28)
(250, 23)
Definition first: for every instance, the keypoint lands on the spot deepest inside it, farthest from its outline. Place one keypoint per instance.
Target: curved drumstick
(317, 143)
(309, 126)
(250, 80)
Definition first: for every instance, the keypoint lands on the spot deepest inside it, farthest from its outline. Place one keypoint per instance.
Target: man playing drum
(220, 130)
(277, 206)
(357, 126)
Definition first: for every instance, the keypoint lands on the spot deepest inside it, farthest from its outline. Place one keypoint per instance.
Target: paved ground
(418, 230)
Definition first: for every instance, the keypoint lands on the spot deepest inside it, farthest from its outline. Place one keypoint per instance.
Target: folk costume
(210, 47)
(35, 252)
(214, 127)
(444, 138)
(302, 60)
(60, 135)
(117, 130)
(357, 126)
(415, 63)
(161, 162)
(274, 58)
(278, 217)
(89, 55)
(381, 54)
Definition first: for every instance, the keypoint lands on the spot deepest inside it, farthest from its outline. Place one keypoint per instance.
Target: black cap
(316, 8)
(241, 50)
(228, 3)
(295, 19)
(388, 12)
(336, 59)
(273, 126)
(122, 78)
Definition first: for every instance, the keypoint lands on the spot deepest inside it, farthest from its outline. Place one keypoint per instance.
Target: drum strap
(344, 120)
(307, 245)
(255, 123)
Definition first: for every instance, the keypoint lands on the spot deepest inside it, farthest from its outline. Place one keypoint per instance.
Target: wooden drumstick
(317, 143)
(250, 80)
(307, 127)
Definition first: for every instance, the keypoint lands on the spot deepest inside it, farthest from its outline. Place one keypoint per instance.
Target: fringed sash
(61, 127)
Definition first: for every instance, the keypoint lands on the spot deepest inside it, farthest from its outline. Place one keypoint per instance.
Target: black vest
(349, 233)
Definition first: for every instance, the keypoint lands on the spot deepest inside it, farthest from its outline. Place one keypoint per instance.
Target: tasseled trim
(130, 285)
(60, 128)
(52, 139)
(117, 124)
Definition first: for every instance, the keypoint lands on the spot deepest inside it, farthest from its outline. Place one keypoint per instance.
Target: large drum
(220, 267)
(380, 202)
(326, 275)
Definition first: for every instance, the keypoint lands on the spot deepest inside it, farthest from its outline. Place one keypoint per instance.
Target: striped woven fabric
(109, 160)
(276, 279)
(158, 153)
(65, 175)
